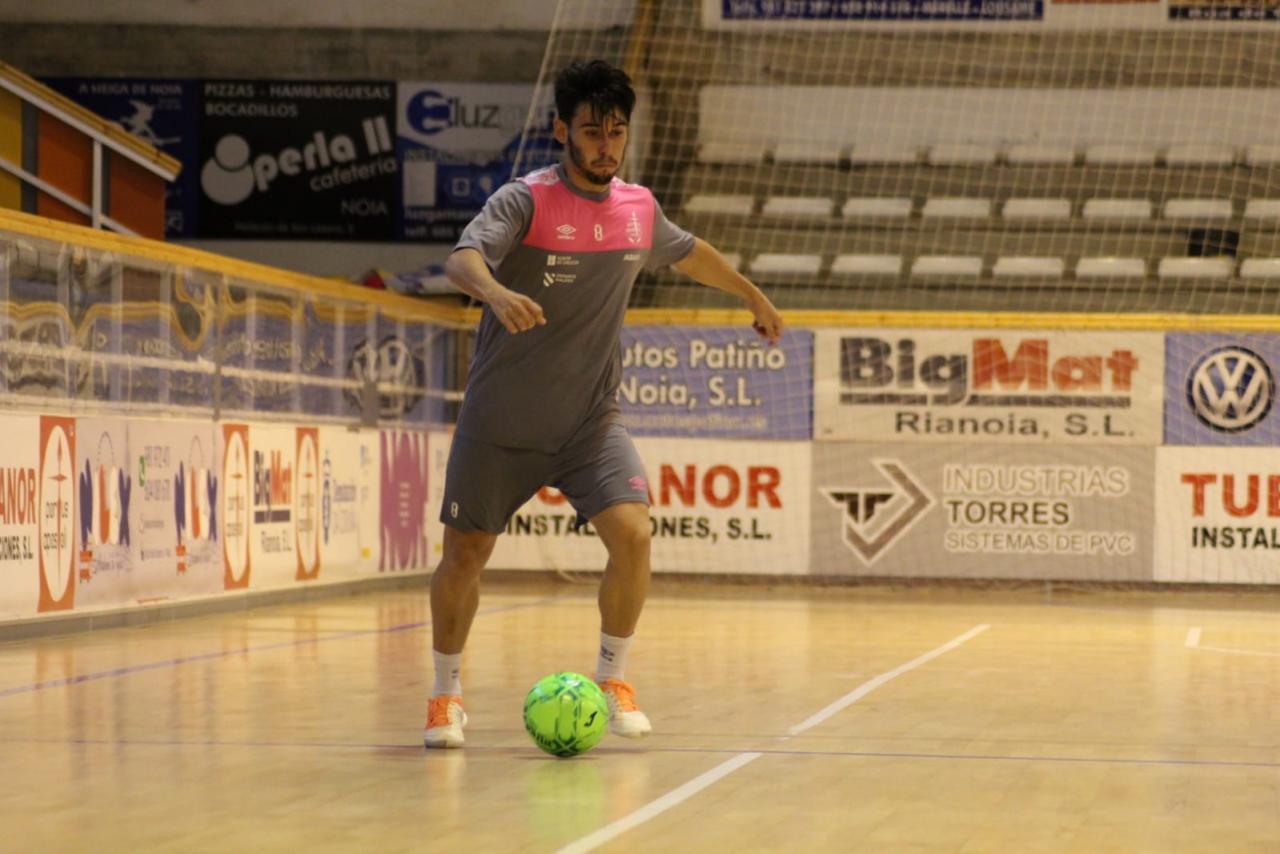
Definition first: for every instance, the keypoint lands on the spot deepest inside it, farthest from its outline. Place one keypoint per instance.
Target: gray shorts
(486, 484)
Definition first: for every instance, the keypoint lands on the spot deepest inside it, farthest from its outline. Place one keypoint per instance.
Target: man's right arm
(470, 274)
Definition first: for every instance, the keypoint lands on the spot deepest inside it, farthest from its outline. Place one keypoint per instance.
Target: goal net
(1029, 250)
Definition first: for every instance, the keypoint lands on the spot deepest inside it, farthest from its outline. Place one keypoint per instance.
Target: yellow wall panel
(10, 148)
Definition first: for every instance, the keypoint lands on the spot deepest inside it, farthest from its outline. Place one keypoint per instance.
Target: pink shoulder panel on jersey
(565, 222)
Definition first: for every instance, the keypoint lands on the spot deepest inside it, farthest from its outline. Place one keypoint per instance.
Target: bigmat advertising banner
(1218, 515)
(988, 385)
(991, 511)
(723, 382)
(298, 160)
(457, 144)
(1220, 389)
(20, 520)
(717, 507)
(273, 513)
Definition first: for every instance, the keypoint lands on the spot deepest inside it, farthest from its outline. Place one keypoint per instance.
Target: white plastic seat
(1040, 153)
(868, 153)
(1025, 265)
(867, 265)
(1119, 155)
(801, 206)
(732, 153)
(719, 204)
(1263, 154)
(1193, 154)
(1111, 268)
(876, 207)
(1260, 268)
(1037, 209)
(786, 264)
(961, 154)
(1117, 209)
(733, 259)
(957, 208)
(1262, 209)
(807, 152)
(1194, 268)
(946, 265)
(1197, 209)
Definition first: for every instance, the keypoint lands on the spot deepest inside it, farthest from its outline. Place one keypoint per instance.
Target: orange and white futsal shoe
(625, 717)
(445, 720)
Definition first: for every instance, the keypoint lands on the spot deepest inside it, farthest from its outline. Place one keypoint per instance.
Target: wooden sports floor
(788, 719)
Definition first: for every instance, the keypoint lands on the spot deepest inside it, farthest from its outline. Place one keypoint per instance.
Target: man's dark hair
(603, 86)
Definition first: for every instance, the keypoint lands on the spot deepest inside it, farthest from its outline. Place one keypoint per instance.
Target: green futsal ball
(566, 714)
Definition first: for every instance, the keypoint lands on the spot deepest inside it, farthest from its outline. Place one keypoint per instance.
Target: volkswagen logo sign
(1230, 389)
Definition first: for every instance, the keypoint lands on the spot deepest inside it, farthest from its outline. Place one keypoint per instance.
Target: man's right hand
(516, 311)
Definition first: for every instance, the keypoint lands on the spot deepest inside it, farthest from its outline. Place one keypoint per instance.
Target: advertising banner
(1224, 10)
(105, 496)
(404, 508)
(162, 113)
(297, 160)
(55, 507)
(457, 144)
(20, 577)
(349, 499)
(989, 385)
(716, 507)
(273, 542)
(307, 496)
(1218, 515)
(1220, 389)
(969, 511)
(722, 382)
(175, 522)
(237, 510)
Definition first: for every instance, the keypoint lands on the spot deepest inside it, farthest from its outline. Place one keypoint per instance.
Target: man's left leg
(624, 530)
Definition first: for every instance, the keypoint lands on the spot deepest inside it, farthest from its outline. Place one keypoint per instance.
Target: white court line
(681, 794)
(1193, 642)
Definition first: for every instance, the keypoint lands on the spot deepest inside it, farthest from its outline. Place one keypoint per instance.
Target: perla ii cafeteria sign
(969, 385)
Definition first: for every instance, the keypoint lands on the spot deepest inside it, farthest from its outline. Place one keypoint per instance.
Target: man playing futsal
(553, 257)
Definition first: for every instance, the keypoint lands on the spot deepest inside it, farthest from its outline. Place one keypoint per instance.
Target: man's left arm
(707, 266)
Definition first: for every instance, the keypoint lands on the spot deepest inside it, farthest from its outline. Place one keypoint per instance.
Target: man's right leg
(455, 595)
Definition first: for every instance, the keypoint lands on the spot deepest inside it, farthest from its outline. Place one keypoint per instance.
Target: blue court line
(533, 751)
(210, 656)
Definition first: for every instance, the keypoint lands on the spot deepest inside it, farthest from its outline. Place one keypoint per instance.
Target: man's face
(596, 144)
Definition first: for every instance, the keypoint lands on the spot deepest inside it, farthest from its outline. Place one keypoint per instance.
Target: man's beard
(600, 179)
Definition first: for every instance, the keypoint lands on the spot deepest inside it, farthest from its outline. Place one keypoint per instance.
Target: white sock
(613, 657)
(448, 669)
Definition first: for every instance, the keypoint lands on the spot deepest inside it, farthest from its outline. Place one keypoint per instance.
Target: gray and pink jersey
(577, 254)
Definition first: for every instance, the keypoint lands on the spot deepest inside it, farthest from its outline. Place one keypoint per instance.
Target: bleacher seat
(867, 265)
(1262, 209)
(868, 153)
(957, 208)
(1262, 154)
(1035, 153)
(1037, 209)
(1260, 268)
(1197, 209)
(798, 206)
(719, 204)
(785, 264)
(1194, 268)
(864, 207)
(1120, 154)
(1111, 268)
(1194, 154)
(807, 152)
(960, 154)
(732, 153)
(1029, 266)
(946, 265)
(1117, 209)
(734, 259)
